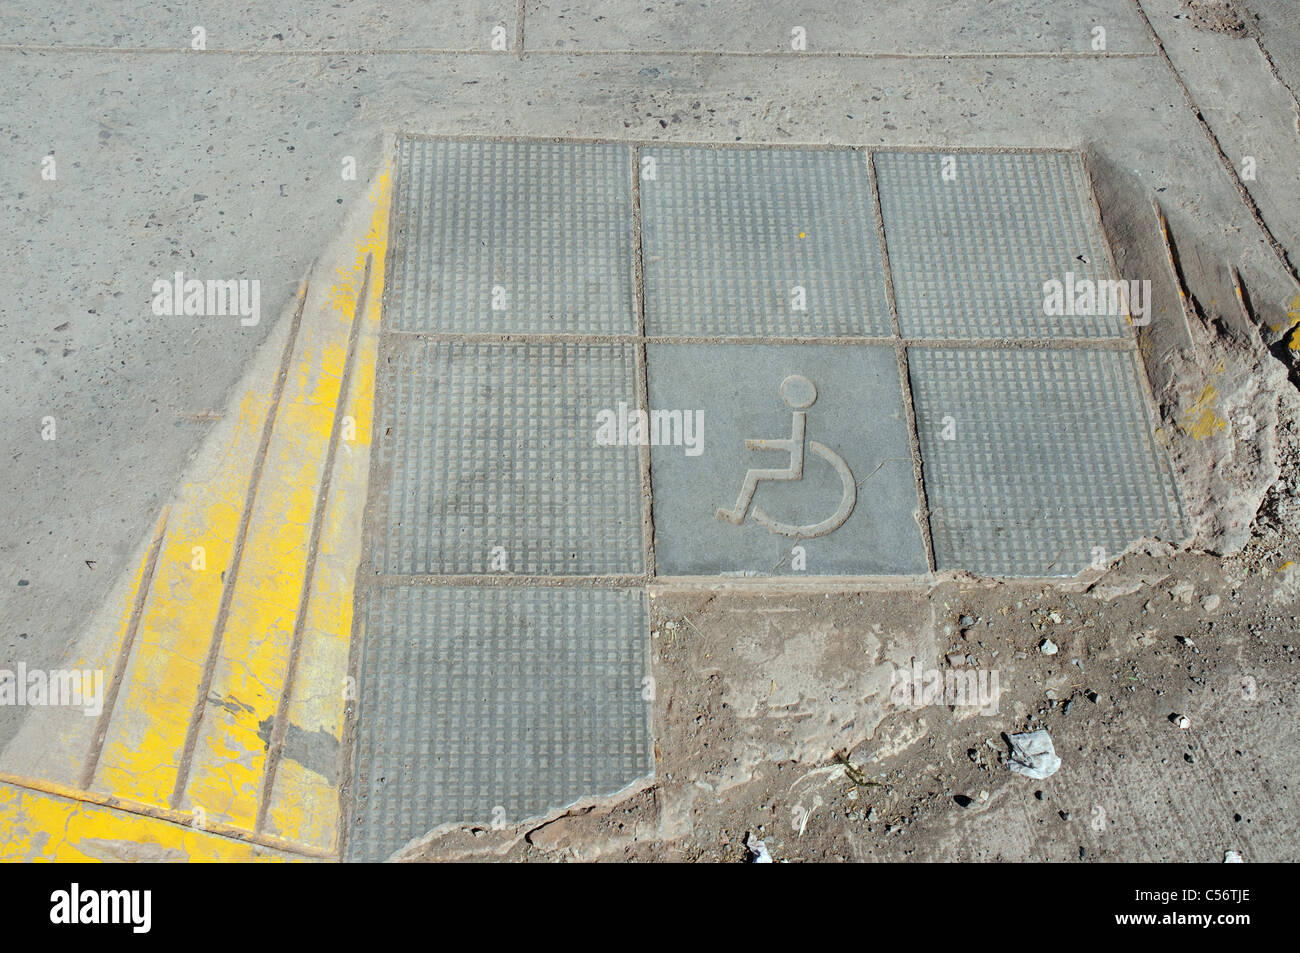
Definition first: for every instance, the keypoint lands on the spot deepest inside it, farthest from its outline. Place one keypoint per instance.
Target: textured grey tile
(728, 233)
(1052, 456)
(478, 699)
(969, 256)
(857, 415)
(487, 445)
(549, 224)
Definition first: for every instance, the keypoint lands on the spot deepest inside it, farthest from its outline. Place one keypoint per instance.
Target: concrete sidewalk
(259, 150)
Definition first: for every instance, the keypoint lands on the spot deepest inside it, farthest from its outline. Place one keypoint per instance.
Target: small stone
(1189, 758)
(872, 815)
(1211, 602)
(1048, 647)
(1182, 721)
(967, 620)
(1038, 795)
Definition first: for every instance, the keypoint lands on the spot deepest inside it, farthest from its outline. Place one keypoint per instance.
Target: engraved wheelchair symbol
(799, 393)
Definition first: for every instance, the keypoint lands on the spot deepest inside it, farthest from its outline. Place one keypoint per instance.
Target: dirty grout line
(642, 368)
(1066, 55)
(905, 379)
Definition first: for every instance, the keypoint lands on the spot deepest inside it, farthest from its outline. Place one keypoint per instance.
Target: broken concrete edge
(1210, 356)
(499, 841)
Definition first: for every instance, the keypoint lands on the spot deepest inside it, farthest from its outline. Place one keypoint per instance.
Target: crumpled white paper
(1033, 755)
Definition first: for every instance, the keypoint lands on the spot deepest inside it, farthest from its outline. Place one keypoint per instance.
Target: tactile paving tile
(494, 704)
(969, 256)
(489, 444)
(1052, 456)
(727, 234)
(856, 416)
(546, 227)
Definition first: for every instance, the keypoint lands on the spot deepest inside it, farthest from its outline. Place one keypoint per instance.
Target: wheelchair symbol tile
(795, 446)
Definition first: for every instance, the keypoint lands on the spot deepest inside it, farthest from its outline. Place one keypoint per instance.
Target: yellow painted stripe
(56, 742)
(230, 758)
(304, 805)
(44, 826)
(146, 737)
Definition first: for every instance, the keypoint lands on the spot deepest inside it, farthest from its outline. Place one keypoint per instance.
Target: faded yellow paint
(230, 755)
(304, 801)
(230, 759)
(1200, 421)
(128, 814)
(44, 826)
(146, 736)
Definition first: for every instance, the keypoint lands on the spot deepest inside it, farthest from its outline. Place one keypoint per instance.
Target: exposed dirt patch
(1216, 16)
(762, 700)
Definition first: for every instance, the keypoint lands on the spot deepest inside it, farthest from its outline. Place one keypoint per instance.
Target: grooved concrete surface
(752, 242)
(500, 237)
(494, 705)
(491, 446)
(972, 238)
(1051, 458)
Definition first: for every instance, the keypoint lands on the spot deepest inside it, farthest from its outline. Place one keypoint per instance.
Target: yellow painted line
(184, 773)
(43, 822)
(226, 778)
(303, 804)
(61, 742)
(146, 738)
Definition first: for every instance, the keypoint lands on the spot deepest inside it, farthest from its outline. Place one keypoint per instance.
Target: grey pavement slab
(751, 26)
(493, 705)
(971, 243)
(744, 242)
(513, 236)
(1038, 462)
(488, 460)
(857, 416)
(252, 189)
(297, 24)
